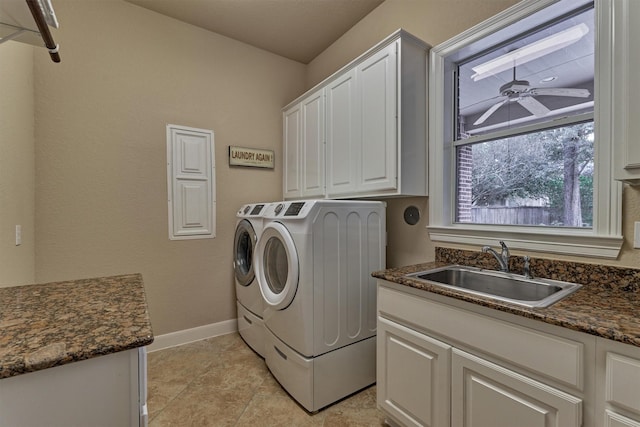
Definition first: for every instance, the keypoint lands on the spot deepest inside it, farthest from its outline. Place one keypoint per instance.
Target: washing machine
(314, 262)
(249, 302)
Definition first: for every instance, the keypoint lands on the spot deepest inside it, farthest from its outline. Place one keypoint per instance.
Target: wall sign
(252, 157)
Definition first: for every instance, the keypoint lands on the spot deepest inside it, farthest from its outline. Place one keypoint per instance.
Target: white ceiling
(296, 29)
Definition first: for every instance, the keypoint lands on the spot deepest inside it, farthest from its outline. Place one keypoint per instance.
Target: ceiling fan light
(530, 52)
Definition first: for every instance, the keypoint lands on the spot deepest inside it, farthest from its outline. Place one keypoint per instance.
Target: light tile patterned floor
(222, 382)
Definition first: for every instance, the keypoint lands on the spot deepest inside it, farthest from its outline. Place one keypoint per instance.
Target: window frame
(604, 239)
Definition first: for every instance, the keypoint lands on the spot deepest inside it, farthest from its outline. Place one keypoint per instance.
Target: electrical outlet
(18, 235)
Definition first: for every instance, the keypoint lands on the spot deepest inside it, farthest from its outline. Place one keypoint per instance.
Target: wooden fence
(522, 215)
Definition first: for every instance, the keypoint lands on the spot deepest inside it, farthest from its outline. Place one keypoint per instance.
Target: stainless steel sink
(508, 287)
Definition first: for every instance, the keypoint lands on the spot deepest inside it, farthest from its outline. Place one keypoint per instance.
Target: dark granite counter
(607, 305)
(58, 323)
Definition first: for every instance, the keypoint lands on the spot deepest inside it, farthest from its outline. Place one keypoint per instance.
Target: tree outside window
(542, 178)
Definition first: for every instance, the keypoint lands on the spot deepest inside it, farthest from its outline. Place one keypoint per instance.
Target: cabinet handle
(247, 319)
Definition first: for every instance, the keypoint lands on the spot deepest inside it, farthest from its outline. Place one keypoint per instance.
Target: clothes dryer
(250, 304)
(314, 262)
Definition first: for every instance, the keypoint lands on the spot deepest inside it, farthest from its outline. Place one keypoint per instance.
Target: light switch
(18, 235)
(636, 235)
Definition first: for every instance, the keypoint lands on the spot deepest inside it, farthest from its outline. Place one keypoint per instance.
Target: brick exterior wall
(464, 160)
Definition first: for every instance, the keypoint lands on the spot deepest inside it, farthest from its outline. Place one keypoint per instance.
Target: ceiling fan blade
(466, 107)
(489, 112)
(561, 91)
(534, 106)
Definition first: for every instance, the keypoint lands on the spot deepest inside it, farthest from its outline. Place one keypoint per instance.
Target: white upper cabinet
(625, 103)
(304, 147)
(375, 125)
(343, 134)
(292, 135)
(377, 97)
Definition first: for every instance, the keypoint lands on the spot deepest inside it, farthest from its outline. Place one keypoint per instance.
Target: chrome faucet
(503, 258)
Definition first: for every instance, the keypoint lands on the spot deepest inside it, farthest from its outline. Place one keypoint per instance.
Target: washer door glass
(277, 268)
(243, 247)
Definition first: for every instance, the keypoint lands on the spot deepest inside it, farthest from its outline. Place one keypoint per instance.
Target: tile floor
(222, 382)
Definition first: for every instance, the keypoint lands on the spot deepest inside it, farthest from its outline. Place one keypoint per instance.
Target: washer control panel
(257, 209)
(251, 210)
(288, 210)
(294, 209)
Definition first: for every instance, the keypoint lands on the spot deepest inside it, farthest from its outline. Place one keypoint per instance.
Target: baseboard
(198, 333)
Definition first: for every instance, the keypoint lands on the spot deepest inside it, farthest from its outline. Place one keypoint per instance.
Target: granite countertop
(607, 305)
(57, 323)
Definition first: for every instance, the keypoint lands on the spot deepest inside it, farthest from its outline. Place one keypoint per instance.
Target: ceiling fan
(520, 91)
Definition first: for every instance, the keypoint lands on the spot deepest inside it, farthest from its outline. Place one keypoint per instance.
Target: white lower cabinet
(613, 419)
(440, 364)
(104, 391)
(618, 377)
(485, 394)
(413, 382)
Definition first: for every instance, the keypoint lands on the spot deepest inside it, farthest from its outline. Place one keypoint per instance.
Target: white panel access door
(191, 183)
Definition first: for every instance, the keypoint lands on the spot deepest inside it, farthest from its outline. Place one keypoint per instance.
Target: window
(519, 150)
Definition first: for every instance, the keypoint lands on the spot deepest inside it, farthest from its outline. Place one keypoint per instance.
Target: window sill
(555, 241)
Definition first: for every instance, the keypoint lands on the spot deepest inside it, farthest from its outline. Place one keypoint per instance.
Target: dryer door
(244, 244)
(277, 266)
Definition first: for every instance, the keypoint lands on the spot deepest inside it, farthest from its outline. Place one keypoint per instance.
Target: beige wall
(435, 21)
(101, 151)
(101, 161)
(17, 191)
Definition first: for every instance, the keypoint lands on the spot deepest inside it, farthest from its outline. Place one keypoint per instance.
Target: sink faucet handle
(505, 249)
(505, 255)
(527, 267)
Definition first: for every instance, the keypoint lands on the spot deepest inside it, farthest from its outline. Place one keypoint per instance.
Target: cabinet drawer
(623, 382)
(553, 357)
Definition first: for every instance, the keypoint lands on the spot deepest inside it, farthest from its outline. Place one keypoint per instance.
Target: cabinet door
(102, 391)
(412, 376)
(618, 384)
(485, 394)
(343, 136)
(304, 126)
(378, 98)
(292, 124)
(613, 419)
(626, 102)
(312, 156)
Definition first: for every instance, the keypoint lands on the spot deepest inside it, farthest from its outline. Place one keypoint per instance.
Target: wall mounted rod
(38, 16)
